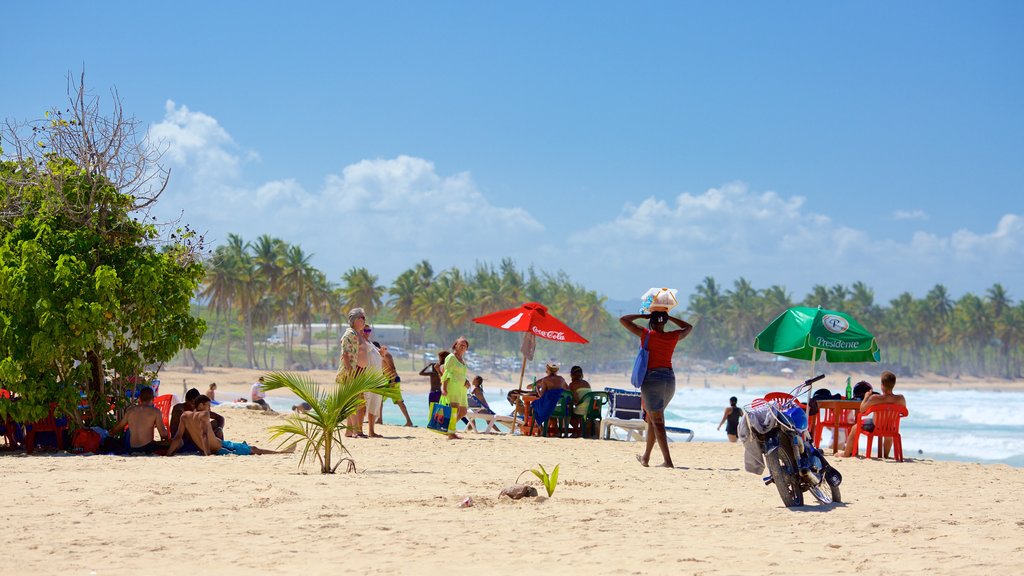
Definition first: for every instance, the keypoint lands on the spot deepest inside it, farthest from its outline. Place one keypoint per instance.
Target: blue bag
(640, 364)
(441, 420)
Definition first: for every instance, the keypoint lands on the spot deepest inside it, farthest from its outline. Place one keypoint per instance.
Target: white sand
(399, 514)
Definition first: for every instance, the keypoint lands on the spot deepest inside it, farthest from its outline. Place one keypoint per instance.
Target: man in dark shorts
(141, 420)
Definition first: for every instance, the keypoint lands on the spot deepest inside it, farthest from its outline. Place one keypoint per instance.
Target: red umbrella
(533, 318)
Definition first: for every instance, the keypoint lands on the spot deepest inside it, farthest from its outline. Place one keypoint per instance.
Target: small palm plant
(321, 429)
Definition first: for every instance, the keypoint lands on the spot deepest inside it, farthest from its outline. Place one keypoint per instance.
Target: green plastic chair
(562, 413)
(595, 402)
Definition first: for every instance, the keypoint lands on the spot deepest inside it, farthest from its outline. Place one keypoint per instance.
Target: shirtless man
(188, 406)
(197, 424)
(872, 399)
(142, 420)
(552, 381)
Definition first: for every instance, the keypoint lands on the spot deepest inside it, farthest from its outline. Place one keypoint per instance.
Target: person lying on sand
(142, 419)
(197, 424)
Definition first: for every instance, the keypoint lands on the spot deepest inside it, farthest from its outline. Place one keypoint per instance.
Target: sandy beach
(400, 513)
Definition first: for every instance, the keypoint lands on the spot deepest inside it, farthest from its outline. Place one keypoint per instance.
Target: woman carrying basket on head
(659, 384)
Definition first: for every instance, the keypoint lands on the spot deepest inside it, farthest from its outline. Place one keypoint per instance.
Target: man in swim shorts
(141, 420)
(197, 423)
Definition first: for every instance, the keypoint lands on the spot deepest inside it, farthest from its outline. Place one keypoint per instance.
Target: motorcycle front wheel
(826, 493)
(785, 475)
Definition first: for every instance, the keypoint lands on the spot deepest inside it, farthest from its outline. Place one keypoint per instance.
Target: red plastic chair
(48, 424)
(887, 425)
(7, 425)
(778, 397)
(163, 404)
(828, 418)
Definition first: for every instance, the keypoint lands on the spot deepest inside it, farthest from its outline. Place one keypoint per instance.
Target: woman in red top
(659, 384)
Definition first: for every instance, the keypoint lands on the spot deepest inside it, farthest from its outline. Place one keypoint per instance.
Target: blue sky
(628, 144)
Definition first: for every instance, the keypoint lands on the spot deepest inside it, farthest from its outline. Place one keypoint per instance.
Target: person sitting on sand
(188, 405)
(141, 420)
(301, 408)
(872, 399)
(211, 392)
(197, 424)
(551, 381)
(258, 396)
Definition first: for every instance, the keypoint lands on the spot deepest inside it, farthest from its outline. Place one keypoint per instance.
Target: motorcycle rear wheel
(785, 476)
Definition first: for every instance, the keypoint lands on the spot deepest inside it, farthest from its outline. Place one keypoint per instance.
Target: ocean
(963, 425)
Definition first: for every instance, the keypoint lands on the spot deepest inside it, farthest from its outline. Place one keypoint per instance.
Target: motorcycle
(775, 434)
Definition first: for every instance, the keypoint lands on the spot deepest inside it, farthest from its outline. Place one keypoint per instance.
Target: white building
(389, 334)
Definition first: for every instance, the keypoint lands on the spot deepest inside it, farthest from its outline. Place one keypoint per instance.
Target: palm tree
(774, 301)
(1000, 307)
(706, 307)
(403, 294)
(740, 313)
(297, 273)
(361, 289)
(219, 289)
(319, 429)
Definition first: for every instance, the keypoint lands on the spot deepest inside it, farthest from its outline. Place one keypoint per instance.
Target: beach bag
(85, 440)
(442, 420)
(640, 364)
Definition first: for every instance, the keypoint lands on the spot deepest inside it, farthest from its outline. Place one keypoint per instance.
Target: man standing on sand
(142, 420)
(354, 359)
(388, 365)
(872, 399)
(197, 424)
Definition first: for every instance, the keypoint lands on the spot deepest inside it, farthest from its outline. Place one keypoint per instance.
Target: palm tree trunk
(326, 469)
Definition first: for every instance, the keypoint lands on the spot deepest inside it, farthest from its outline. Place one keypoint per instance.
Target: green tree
(81, 296)
(361, 289)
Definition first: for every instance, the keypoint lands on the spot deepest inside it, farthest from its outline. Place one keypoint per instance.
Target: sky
(629, 145)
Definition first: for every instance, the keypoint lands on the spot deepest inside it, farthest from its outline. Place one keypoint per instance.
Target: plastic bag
(658, 300)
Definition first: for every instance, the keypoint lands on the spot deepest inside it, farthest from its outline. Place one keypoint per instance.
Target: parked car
(429, 357)
(274, 339)
(397, 351)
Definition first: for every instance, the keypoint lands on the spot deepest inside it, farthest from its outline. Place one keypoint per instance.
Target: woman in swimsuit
(731, 419)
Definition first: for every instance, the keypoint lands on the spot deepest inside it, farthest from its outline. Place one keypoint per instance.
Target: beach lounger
(625, 412)
(489, 417)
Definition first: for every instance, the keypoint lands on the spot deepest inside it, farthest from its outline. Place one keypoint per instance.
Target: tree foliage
(88, 289)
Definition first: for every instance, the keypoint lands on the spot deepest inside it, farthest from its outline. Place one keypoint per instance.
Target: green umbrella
(810, 333)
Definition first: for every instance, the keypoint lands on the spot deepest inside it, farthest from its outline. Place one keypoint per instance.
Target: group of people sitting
(194, 428)
(550, 386)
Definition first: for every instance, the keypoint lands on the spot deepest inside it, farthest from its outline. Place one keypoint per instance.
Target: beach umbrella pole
(522, 374)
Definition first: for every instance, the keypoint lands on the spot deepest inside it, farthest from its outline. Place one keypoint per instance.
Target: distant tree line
(255, 285)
